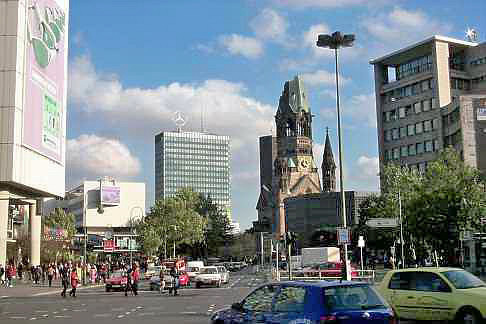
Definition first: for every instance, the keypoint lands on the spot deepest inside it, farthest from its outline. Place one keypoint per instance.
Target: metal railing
(362, 275)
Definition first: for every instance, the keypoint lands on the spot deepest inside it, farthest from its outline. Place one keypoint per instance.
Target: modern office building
(194, 160)
(431, 95)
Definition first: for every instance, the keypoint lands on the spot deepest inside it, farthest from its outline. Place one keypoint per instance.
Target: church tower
(328, 167)
(295, 172)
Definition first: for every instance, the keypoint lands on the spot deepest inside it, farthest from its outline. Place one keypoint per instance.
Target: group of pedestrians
(7, 275)
(133, 277)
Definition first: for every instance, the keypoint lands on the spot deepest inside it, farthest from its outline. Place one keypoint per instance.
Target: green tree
(449, 199)
(59, 247)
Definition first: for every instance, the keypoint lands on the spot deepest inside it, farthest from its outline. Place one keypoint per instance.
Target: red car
(328, 269)
(183, 278)
(118, 280)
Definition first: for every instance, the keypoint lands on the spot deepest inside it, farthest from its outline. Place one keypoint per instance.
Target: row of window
(479, 61)
(460, 84)
(417, 108)
(418, 65)
(191, 158)
(409, 90)
(480, 79)
(411, 130)
(412, 150)
(451, 118)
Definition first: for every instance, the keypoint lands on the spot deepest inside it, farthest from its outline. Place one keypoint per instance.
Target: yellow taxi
(435, 294)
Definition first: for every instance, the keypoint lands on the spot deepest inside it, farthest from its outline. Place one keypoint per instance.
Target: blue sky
(133, 64)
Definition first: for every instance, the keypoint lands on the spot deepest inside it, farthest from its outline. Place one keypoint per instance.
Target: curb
(60, 290)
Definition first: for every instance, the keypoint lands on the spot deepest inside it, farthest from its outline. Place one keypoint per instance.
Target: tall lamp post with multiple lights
(335, 42)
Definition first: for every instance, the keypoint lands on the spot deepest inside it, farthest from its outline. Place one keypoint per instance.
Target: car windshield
(209, 271)
(118, 274)
(193, 269)
(352, 298)
(462, 279)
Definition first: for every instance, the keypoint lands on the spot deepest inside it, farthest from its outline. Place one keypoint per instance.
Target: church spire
(328, 167)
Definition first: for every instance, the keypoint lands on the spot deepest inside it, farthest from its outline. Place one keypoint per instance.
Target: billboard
(45, 78)
(110, 195)
(481, 113)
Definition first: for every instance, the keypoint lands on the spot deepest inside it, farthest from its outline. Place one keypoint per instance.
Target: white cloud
(140, 113)
(270, 25)
(400, 27)
(91, 156)
(359, 110)
(248, 47)
(301, 4)
(367, 169)
(322, 78)
(310, 39)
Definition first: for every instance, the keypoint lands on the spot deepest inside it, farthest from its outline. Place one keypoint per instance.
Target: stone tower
(295, 172)
(328, 167)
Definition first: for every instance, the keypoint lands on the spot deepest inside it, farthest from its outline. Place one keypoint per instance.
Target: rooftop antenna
(471, 35)
(179, 120)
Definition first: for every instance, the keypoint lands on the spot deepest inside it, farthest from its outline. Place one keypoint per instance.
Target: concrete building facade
(431, 95)
(194, 160)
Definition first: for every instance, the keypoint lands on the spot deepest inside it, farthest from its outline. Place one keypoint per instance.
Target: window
(420, 148)
(427, 281)
(429, 146)
(393, 114)
(396, 153)
(412, 150)
(411, 130)
(351, 298)
(290, 299)
(426, 105)
(418, 128)
(403, 132)
(404, 151)
(401, 112)
(387, 155)
(388, 135)
(395, 133)
(427, 126)
(417, 107)
(436, 145)
(435, 123)
(435, 103)
(425, 85)
(462, 279)
(400, 281)
(260, 300)
(421, 167)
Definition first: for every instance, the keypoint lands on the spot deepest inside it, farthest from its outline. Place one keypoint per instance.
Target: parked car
(208, 276)
(155, 281)
(118, 280)
(447, 294)
(192, 272)
(152, 271)
(327, 269)
(224, 274)
(309, 302)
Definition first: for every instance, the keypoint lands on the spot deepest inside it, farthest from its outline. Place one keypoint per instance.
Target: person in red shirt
(135, 278)
(74, 282)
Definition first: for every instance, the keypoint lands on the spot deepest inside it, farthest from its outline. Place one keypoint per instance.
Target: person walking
(74, 282)
(175, 275)
(129, 282)
(2, 272)
(50, 274)
(135, 279)
(65, 281)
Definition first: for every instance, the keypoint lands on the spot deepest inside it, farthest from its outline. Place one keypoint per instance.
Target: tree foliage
(59, 248)
(449, 197)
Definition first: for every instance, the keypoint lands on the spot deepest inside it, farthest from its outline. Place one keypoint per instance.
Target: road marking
(188, 313)
(18, 317)
(62, 316)
(121, 316)
(33, 319)
(3, 296)
(139, 307)
(117, 309)
(146, 314)
(42, 311)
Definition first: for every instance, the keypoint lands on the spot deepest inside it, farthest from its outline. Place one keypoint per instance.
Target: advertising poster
(110, 195)
(45, 77)
(481, 113)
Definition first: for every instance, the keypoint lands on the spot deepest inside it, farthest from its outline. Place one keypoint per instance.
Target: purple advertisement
(43, 115)
(110, 195)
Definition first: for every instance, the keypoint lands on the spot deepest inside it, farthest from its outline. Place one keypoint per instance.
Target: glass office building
(193, 160)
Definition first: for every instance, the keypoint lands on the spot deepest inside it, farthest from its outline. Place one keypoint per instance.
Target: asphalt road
(97, 306)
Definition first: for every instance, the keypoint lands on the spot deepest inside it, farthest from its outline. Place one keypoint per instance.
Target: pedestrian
(65, 282)
(135, 279)
(175, 275)
(74, 282)
(2, 272)
(50, 274)
(129, 282)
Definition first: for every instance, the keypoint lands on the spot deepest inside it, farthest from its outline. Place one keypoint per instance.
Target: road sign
(382, 222)
(108, 245)
(361, 242)
(343, 236)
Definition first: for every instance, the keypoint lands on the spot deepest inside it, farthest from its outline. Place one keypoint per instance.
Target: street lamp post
(336, 41)
(131, 232)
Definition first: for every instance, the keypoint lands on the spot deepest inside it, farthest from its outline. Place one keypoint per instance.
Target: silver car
(224, 274)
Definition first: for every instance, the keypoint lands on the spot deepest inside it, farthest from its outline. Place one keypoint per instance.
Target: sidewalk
(27, 289)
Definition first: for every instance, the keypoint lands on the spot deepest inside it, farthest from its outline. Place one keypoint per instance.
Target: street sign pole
(361, 244)
(278, 270)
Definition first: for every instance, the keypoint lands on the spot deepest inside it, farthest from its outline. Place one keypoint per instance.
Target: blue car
(298, 302)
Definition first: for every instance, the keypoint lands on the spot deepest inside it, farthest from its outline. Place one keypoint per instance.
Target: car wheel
(468, 316)
(107, 289)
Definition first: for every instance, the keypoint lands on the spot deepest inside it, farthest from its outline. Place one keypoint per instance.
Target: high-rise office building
(193, 160)
(431, 95)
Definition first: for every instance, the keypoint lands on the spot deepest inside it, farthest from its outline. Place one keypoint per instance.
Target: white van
(192, 269)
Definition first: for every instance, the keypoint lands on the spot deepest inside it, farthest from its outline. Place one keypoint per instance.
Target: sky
(133, 64)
